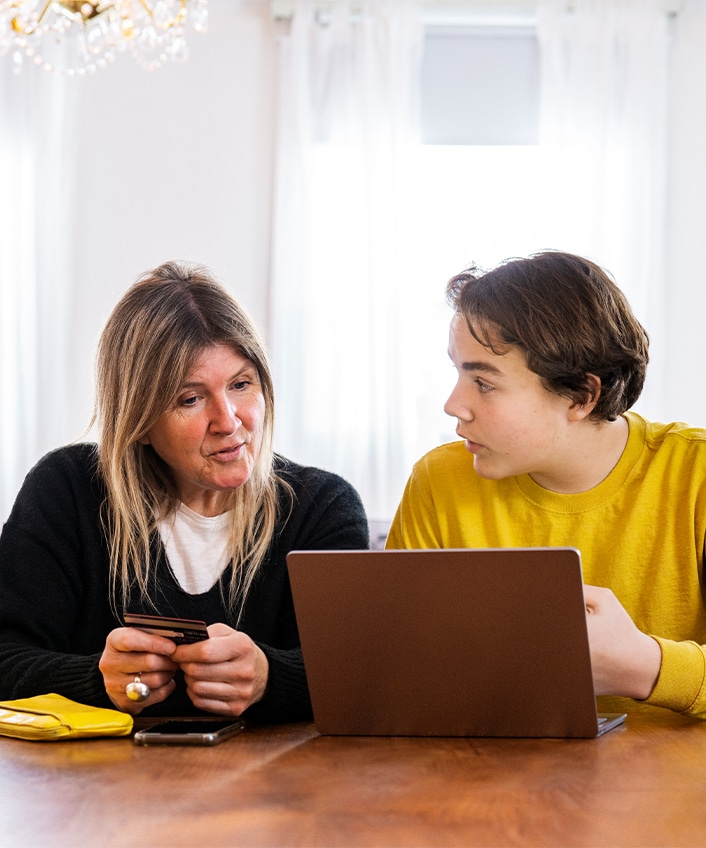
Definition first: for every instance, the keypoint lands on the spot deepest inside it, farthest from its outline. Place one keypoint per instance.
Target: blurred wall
(178, 163)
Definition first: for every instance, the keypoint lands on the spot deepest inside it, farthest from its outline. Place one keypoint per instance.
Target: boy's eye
(484, 387)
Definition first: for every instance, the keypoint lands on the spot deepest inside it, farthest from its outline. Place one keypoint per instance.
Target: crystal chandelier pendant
(79, 37)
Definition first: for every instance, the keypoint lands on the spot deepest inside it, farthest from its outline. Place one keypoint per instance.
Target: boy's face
(511, 424)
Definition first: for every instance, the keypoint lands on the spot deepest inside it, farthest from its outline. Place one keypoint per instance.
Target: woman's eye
(188, 401)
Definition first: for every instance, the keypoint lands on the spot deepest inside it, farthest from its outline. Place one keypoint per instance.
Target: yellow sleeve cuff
(681, 685)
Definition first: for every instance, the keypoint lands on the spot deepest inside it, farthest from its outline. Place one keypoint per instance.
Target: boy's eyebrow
(481, 366)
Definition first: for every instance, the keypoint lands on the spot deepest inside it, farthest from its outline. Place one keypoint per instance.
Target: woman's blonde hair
(150, 343)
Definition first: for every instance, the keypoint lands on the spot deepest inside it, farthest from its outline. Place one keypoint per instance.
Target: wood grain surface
(643, 784)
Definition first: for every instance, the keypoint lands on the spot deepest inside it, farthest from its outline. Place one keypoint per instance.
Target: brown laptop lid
(445, 642)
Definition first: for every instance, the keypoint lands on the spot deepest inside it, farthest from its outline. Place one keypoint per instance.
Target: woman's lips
(228, 453)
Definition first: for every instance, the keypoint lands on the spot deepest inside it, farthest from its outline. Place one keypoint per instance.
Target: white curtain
(36, 178)
(604, 74)
(348, 121)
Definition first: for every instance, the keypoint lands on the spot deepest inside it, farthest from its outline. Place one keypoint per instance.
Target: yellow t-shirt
(641, 533)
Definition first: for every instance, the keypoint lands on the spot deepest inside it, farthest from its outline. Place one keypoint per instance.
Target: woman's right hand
(129, 652)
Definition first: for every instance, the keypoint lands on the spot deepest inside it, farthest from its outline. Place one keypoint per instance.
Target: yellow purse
(53, 717)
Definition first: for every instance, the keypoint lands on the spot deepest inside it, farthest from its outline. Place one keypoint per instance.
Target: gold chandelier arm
(17, 26)
(178, 18)
(79, 37)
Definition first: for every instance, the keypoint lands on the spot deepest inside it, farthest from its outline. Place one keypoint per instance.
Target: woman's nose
(224, 416)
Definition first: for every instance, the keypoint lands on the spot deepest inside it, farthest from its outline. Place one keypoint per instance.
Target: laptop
(447, 642)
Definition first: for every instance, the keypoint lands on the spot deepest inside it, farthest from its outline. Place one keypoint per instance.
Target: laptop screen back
(445, 642)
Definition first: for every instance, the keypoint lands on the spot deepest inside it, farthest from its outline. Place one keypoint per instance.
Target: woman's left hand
(224, 674)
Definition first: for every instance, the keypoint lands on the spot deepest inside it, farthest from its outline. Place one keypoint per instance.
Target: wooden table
(641, 785)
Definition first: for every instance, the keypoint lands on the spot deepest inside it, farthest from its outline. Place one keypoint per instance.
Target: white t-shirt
(196, 548)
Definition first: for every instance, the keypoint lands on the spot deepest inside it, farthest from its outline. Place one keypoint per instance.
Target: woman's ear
(145, 440)
(578, 411)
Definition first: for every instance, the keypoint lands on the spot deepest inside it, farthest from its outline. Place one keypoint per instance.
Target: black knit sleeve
(54, 610)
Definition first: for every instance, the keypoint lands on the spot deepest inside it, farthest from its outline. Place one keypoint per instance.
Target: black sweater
(55, 612)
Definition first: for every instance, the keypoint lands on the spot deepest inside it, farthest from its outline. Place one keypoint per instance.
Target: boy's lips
(473, 447)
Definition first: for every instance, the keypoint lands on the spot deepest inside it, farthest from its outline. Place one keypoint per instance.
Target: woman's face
(211, 435)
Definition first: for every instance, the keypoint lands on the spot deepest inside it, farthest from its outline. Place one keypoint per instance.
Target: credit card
(180, 630)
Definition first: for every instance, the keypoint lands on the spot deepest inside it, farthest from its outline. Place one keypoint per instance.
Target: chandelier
(79, 37)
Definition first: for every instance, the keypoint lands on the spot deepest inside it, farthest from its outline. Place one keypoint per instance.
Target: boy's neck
(594, 454)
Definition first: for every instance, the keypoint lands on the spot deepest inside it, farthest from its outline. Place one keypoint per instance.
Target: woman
(181, 510)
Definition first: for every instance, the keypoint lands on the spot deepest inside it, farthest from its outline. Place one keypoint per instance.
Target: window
(484, 191)
(480, 86)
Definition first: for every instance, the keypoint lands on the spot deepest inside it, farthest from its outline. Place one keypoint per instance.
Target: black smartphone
(187, 731)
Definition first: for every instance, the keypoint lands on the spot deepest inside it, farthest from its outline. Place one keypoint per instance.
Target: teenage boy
(549, 360)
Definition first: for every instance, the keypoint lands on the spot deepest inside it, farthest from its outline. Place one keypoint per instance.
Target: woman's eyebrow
(246, 369)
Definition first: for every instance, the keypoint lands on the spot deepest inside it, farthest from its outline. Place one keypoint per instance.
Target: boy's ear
(583, 410)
